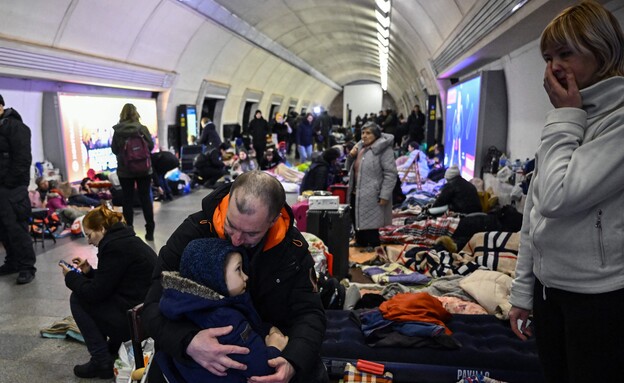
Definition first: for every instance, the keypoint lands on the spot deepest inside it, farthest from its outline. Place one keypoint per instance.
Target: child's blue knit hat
(203, 261)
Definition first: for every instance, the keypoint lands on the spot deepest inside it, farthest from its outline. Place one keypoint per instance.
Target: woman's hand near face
(353, 152)
(559, 96)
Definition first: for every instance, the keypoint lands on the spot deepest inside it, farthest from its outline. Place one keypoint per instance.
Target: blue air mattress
(488, 347)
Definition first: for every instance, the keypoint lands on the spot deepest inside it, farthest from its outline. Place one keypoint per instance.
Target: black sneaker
(93, 369)
(7, 270)
(25, 276)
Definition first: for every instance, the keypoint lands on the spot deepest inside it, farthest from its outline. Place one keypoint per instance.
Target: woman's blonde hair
(129, 113)
(101, 218)
(589, 28)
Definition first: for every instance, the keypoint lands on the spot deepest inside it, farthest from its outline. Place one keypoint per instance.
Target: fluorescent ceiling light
(384, 20)
(385, 32)
(519, 5)
(383, 5)
(383, 49)
(382, 40)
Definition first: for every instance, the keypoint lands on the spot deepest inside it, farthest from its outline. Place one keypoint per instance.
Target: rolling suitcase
(333, 227)
(300, 210)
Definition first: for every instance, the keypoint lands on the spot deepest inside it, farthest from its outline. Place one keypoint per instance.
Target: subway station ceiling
(272, 46)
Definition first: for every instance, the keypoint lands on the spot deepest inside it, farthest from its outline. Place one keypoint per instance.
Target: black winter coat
(123, 276)
(416, 126)
(15, 150)
(205, 162)
(282, 132)
(209, 136)
(318, 176)
(265, 164)
(460, 195)
(122, 131)
(280, 282)
(164, 161)
(259, 128)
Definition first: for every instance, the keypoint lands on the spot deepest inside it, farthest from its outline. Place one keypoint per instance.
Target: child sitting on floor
(210, 290)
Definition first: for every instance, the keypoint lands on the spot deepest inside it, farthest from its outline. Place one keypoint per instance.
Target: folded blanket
(395, 273)
(494, 250)
(491, 290)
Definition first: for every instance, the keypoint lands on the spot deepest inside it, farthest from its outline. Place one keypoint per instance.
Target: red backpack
(136, 154)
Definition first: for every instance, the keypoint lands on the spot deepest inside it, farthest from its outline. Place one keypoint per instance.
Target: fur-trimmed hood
(183, 297)
(173, 280)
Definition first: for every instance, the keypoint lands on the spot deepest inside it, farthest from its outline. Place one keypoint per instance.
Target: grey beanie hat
(451, 172)
(203, 261)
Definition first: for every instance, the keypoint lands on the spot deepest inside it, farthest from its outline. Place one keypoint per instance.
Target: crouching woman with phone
(100, 297)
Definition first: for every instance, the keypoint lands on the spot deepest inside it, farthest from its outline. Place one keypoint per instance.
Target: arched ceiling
(301, 49)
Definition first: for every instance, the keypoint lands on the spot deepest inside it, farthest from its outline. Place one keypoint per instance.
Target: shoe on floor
(7, 270)
(25, 277)
(95, 369)
(149, 237)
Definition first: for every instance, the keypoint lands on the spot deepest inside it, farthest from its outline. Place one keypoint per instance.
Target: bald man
(251, 212)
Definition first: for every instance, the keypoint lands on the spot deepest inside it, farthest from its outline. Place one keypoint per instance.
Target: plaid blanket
(494, 250)
(423, 232)
(353, 375)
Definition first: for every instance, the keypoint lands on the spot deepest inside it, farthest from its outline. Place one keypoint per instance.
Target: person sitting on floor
(458, 194)
(100, 297)
(414, 159)
(322, 173)
(163, 162)
(211, 290)
(270, 160)
(244, 163)
(209, 166)
(56, 203)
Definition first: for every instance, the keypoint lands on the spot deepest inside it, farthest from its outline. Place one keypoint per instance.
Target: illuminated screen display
(87, 128)
(191, 120)
(462, 118)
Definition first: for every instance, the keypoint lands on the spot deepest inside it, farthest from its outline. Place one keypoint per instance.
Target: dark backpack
(332, 292)
(491, 160)
(397, 193)
(136, 154)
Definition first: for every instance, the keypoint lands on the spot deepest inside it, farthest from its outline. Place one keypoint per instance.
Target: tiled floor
(24, 355)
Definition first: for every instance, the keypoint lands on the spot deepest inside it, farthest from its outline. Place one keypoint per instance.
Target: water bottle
(503, 161)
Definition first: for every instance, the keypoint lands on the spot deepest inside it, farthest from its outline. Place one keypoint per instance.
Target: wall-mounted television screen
(462, 113)
(86, 131)
(187, 121)
(476, 118)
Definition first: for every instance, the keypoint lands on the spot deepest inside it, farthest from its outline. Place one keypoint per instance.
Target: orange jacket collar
(276, 233)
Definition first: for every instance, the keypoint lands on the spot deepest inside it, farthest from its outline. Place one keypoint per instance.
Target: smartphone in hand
(70, 266)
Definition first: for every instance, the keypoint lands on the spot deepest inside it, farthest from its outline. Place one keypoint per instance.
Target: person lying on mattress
(211, 290)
